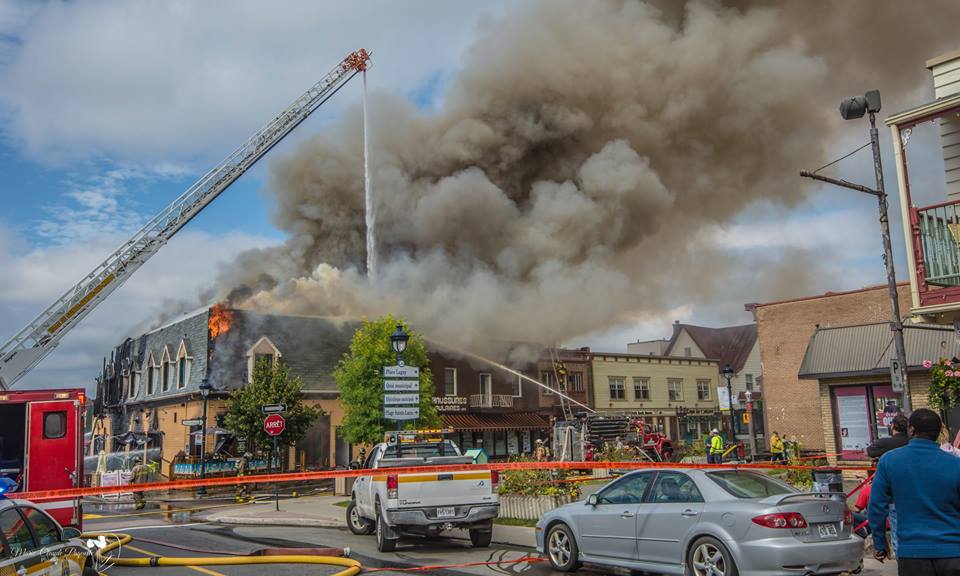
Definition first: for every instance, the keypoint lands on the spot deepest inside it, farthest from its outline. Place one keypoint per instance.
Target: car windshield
(747, 484)
(423, 450)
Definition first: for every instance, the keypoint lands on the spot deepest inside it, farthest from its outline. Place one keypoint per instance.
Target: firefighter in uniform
(243, 489)
(141, 475)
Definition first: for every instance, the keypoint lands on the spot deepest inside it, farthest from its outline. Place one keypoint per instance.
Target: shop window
(641, 389)
(616, 387)
(675, 389)
(449, 381)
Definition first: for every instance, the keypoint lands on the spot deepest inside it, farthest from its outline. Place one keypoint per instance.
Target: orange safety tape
(43, 495)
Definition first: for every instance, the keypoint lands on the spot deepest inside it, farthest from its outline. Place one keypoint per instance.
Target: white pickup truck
(428, 503)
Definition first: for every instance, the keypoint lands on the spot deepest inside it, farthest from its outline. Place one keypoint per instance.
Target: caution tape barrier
(44, 495)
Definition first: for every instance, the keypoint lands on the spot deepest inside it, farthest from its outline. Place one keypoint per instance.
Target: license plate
(446, 512)
(827, 530)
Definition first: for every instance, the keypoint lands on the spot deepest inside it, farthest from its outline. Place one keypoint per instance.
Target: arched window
(184, 363)
(166, 367)
(151, 375)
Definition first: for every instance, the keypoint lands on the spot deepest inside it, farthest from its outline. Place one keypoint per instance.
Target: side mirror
(70, 533)
(593, 500)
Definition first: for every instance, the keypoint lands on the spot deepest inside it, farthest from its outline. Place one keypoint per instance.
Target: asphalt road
(150, 534)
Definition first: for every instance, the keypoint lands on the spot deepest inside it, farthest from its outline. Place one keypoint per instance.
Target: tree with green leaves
(272, 384)
(359, 377)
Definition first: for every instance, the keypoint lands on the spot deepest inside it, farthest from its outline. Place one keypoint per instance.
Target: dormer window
(151, 375)
(263, 351)
(184, 363)
(166, 370)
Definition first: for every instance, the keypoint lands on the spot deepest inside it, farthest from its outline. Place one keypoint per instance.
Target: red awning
(514, 421)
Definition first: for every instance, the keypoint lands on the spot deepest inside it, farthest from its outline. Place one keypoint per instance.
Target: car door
(364, 488)
(20, 550)
(674, 508)
(609, 529)
(47, 533)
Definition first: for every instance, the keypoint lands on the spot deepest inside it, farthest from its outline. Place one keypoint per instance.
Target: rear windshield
(423, 450)
(748, 484)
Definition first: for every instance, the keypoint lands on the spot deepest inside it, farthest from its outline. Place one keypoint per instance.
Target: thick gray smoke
(566, 184)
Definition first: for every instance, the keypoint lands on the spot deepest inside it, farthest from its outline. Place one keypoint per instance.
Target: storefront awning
(514, 421)
(866, 349)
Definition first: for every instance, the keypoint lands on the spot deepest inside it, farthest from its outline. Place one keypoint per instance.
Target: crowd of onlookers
(913, 499)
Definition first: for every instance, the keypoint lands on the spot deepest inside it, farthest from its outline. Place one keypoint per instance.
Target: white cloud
(853, 230)
(166, 81)
(34, 277)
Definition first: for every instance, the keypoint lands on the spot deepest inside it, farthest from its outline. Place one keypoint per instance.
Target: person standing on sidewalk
(715, 456)
(924, 481)
(243, 489)
(897, 439)
(141, 475)
(777, 449)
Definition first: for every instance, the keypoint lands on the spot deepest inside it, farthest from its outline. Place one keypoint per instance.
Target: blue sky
(94, 140)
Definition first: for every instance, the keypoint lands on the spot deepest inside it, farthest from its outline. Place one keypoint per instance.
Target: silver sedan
(717, 522)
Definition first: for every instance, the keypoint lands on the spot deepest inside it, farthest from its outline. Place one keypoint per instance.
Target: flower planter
(530, 507)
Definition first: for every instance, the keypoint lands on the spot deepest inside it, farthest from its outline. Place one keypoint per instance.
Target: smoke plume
(566, 183)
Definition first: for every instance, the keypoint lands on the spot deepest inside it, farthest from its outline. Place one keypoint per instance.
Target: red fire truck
(41, 445)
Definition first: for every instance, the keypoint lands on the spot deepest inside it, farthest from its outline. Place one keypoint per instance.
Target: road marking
(197, 568)
(93, 516)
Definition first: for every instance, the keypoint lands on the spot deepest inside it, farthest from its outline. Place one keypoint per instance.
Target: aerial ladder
(31, 344)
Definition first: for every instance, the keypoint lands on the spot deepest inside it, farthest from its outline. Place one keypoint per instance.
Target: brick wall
(784, 329)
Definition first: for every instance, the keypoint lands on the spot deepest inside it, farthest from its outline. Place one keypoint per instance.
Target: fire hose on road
(268, 556)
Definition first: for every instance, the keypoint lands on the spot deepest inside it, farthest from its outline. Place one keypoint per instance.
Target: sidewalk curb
(254, 521)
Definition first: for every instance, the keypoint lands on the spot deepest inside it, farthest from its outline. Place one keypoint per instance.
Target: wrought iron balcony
(491, 401)
(936, 250)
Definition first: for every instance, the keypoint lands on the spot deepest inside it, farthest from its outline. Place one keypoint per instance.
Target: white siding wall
(683, 342)
(946, 82)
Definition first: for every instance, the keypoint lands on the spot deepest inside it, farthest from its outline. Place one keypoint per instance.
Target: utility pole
(854, 108)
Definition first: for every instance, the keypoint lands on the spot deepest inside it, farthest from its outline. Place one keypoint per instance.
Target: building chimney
(946, 82)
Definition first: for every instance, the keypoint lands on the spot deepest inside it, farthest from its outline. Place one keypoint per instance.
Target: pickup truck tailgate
(445, 489)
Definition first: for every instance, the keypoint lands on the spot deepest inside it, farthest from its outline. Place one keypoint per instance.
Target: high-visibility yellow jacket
(776, 445)
(716, 445)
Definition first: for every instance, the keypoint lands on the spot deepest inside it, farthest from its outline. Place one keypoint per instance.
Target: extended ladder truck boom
(31, 344)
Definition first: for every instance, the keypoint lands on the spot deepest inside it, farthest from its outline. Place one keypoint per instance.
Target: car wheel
(481, 538)
(709, 557)
(357, 523)
(384, 544)
(562, 549)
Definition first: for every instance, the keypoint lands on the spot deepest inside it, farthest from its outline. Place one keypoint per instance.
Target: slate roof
(730, 345)
(866, 349)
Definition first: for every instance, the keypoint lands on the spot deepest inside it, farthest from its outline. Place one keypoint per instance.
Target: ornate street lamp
(205, 389)
(728, 374)
(398, 340)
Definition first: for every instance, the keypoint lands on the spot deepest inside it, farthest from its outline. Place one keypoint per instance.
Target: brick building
(784, 330)
(578, 383)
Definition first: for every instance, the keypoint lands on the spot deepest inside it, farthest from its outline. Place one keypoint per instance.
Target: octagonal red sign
(274, 425)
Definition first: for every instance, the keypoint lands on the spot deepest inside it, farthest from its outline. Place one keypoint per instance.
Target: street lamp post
(205, 389)
(398, 341)
(728, 374)
(851, 109)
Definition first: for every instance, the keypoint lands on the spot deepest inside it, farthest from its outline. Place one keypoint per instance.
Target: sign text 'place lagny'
(401, 392)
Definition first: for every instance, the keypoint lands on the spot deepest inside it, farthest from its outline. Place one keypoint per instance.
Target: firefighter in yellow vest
(777, 448)
(715, 456)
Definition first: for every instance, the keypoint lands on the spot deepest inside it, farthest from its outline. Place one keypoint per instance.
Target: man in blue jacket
(924, 481)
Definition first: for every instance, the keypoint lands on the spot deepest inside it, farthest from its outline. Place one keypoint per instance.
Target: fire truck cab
(41, 445)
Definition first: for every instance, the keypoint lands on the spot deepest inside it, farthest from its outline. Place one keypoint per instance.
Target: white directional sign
(273, 408)
(401, 399)
(401, 412)
(401, 371)
(401, 385)
(192, 422)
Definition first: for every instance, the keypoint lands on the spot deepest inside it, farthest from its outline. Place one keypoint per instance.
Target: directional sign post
(192, 422)
(274, 425)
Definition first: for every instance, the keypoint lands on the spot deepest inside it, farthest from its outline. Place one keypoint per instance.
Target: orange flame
(219, 321)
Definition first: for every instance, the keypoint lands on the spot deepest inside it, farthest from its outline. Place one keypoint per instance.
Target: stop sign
(274, 425)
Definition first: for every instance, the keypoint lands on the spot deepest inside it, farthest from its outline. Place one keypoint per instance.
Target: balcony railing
(491, 401)
(937, 239)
